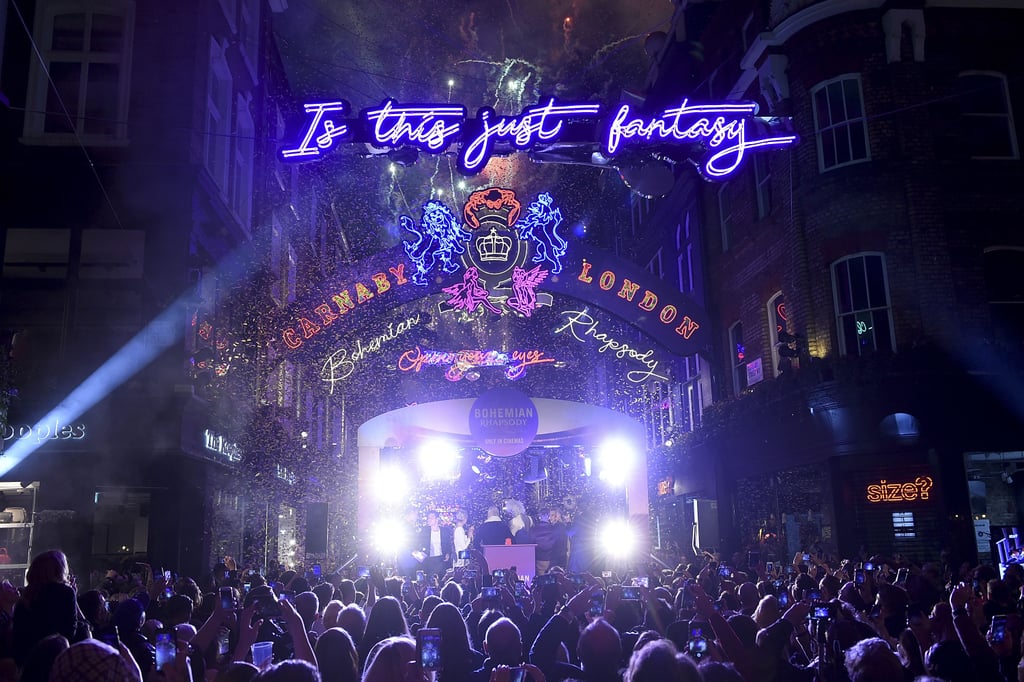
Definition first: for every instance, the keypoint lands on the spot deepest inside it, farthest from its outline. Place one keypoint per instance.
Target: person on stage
(437, 545)
(493, 531)
(462, 536)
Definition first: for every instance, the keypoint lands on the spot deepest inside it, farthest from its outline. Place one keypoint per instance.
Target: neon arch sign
(725, 131)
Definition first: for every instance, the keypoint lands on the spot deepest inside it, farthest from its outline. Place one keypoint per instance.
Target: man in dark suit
(438, 546)
(492, 531)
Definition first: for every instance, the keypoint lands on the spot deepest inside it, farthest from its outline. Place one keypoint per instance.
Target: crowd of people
(811, 619)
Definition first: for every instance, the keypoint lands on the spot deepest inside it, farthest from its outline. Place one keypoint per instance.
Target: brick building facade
(889, 236)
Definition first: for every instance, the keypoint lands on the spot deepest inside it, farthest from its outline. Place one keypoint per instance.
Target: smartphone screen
(316, 570)
(998, 628)
(517, 674)
(697, 648)
(783, 599)
(420, 577)
(428, 646)
(490, 593)
(167, 576)
(596, 604)
(165, 650)
(631, 593)
(364, 572)
(464, 554)
(858, 576)
(227, 599)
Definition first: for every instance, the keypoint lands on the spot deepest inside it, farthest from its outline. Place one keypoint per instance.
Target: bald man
(503, 644)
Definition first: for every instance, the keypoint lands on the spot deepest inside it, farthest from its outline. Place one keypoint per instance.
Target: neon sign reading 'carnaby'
(725, 131)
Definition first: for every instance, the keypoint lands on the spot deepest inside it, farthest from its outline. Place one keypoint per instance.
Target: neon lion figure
(540, 225)
(440, 238)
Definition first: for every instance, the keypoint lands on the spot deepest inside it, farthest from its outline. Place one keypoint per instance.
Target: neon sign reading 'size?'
(724, 132)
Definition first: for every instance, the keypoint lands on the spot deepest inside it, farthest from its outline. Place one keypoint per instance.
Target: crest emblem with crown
(497, 251)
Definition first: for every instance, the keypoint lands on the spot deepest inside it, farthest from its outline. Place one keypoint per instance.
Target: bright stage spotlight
(615, 461)
(439, 460)
(391, 484)
(617, 539)
(389, 537)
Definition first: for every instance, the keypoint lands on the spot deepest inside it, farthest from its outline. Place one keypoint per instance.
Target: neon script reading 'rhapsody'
(721, 133)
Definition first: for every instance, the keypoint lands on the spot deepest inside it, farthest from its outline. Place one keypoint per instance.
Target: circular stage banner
(503, 421)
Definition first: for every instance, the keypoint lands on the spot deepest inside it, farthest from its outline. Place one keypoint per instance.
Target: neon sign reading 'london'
(723, 130)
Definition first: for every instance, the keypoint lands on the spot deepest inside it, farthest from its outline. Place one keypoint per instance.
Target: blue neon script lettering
(713, 124)
(537, 123)
(325, 140)
(429, 127)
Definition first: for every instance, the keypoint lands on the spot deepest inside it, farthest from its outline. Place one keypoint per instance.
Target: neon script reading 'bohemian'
(723, 131)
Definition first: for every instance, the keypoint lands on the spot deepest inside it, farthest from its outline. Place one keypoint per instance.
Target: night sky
(506, 54)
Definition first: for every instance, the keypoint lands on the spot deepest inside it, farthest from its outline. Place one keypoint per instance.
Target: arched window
(776, 324)
(860, 289)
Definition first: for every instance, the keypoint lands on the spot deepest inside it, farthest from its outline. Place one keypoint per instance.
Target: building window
(112, 254)
(986, 116)
(903, 525)
(249, 33)
(725, 214)
(685, 264)
(738, 361)
(1005, 293)
(218, 116)
(763, 185)
(241, 184)
(37, 253)
(860, 289)
(86, 50)
(776, 325)
(655, 265)
(839, 123)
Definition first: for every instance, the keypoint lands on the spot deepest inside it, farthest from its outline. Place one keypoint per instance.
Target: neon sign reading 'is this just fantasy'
(725, 131)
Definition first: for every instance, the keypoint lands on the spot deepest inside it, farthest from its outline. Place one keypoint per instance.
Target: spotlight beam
(154, 339)
(161, 333)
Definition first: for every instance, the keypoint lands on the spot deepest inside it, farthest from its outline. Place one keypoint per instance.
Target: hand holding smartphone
(428, 648)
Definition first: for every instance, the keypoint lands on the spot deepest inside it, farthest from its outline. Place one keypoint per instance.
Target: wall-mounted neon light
(883, 491)
(461, 362)
(582, 326)
(343, 362)
(722, 131)
(648, 302)
(341, 303)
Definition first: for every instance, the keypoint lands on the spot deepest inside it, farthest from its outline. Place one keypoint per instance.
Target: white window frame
(249, 42)
(1014, 149)
(725, 214)
(834, 127)
(217, 149)
(773, 332)
(244, 156)
(843, 350)
(737, 368)
(39, 80)
(655, 267)
(763, 185)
